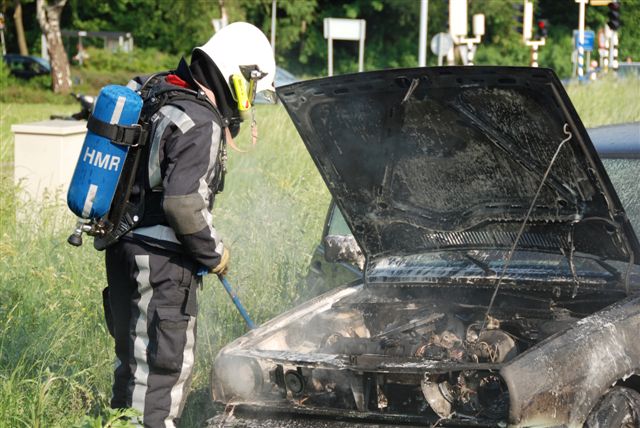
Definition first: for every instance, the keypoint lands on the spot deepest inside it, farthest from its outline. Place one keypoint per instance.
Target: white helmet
(241, 49)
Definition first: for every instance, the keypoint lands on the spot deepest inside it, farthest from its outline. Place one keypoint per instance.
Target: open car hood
(451, 157)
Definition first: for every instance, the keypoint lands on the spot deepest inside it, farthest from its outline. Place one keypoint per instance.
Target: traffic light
(614, 15)
(543, 28)
(523, 14)
(518, 16)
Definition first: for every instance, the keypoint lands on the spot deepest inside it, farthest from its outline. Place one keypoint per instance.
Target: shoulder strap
(155, 95)
(119, 134)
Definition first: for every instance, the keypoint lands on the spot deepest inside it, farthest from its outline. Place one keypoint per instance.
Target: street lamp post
(458, 29)
(422, 49)
(273, 25)
(583, 5)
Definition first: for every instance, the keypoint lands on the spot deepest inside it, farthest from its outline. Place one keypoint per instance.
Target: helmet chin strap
(229, 138)
(254, 126)
(246, 97)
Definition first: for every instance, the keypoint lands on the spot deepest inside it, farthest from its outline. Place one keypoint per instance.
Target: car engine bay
(422, 352)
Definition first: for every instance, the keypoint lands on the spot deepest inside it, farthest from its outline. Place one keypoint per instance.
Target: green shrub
(36, 90)
(139, 61)
(89, 81)
(5, 75)
(104, 67)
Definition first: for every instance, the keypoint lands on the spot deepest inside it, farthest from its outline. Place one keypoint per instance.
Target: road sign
(345, 29)
(441, 43)
(589, 40)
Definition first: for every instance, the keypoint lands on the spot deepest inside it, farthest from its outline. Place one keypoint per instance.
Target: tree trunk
(49, 19)
(17, 19)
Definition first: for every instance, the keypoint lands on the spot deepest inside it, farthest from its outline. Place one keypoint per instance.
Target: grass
(606, 101)
(55, 353)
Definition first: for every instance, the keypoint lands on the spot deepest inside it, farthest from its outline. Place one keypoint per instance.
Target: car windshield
(459, 266)
(624, 175)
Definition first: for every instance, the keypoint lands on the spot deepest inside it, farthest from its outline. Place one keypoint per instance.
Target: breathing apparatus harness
(128, 207)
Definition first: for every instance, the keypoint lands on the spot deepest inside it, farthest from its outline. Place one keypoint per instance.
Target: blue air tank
(100, 164)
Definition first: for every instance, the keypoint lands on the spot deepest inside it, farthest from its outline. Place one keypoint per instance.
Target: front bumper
(275, 415)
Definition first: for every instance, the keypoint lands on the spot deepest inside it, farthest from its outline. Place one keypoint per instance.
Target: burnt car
(500, 282)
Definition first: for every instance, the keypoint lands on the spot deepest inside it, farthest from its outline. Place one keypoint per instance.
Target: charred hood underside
(437, 158)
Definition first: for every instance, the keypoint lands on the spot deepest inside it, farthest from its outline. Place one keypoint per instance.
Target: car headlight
(236, 377)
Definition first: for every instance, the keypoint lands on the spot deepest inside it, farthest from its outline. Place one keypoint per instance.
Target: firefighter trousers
(150, 308)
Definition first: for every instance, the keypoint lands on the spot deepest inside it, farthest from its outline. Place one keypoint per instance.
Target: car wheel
(619, 408)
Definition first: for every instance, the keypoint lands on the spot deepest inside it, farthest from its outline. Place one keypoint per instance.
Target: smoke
(271, 216)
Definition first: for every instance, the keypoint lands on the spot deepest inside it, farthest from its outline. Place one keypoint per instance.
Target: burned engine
(424, 353)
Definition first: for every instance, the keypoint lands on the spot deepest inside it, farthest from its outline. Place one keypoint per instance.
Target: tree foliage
(175, 27)
(171, 26)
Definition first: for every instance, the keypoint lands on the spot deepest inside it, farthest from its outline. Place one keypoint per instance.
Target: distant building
(113, 40)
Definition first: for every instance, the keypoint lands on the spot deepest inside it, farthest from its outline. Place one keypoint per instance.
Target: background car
(629, 69)
(26, 67)
(283, 77)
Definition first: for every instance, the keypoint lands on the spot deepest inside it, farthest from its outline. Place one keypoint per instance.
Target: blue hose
(236, 301)
(234, 297)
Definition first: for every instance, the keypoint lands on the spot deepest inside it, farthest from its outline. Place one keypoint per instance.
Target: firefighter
(152, 271)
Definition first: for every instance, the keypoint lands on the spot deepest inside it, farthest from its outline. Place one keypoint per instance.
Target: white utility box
(46, 154)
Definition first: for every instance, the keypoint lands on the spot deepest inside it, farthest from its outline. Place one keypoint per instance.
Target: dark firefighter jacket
(180, 174)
